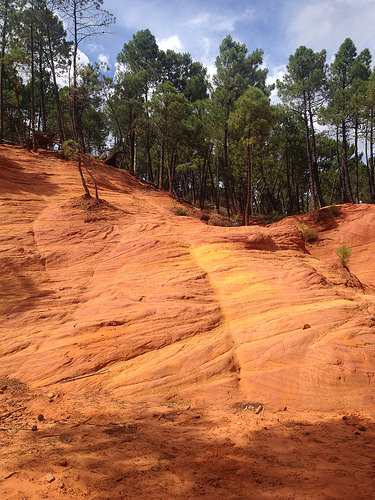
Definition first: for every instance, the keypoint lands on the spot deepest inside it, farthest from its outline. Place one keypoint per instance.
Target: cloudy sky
(276, 26)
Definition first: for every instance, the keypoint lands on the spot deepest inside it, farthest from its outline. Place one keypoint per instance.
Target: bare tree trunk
(132, 152)
(371, 176)
(356, 161)
(345, 169)
(82, 178)
(225, 167)
(32, 103)
(249, 182)
(2, 68)
(371, 186)
(314, 162)
(77, 131)
(43, 116)
(20, 117)
(309, 158)
(94, 181)
(213, 190)
(161, 166)
(203, 183)
(169, 168)
(56, 89)
(339, 165)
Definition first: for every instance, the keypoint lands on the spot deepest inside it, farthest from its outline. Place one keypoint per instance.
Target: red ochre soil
(171, 358)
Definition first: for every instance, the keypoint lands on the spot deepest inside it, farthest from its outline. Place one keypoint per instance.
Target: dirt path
(100, 448)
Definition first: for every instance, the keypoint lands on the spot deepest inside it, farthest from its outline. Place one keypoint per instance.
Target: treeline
(218, 144)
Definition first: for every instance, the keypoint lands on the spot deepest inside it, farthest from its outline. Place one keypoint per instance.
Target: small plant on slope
(180, 211)
(309, 234)
(343, 253)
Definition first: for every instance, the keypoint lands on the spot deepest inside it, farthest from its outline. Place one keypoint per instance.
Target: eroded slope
(163, 304)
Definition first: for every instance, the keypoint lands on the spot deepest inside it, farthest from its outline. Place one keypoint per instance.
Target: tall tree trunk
(77, 131)
(169, 167)
(20, 117)
(148, 149)
(356, 160)
(174, 165)
(217, 185)
(203, 183)
(2, 67)
(43, 116)
(290, 206)
(314, 162)
(309, 156)
(32, 103)
(132, 152)
(78, 134)
(249, 182)
(225, 167)
(56, 89)
(371, 174)
(131, 141)
(345, 169)
(339, 166)
(161, 166)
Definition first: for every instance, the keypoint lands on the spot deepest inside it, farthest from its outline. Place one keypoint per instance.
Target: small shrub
(218, 220)
(343, 253)
(180, 211)
(309, 234)
(70, 149)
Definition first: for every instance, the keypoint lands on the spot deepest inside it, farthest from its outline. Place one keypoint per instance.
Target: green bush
(180, 211)
(70, 149)
(309, 234)
(343, 253)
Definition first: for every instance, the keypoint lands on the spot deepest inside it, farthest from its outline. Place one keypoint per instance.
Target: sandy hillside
(170, 358)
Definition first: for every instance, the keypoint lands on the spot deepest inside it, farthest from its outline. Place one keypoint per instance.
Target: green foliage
(221, 144)
(309, 234)
(180, 211)
(344, 253)
(70, 149)
(237, 70)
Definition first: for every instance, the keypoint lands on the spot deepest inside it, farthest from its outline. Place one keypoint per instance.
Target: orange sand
(183, 321)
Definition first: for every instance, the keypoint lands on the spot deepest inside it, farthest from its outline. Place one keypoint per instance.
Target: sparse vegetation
(180, 211)
(344, 253)
(174, 401)
(309, 234)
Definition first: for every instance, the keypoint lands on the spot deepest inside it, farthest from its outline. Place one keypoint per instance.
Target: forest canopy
(216, 143)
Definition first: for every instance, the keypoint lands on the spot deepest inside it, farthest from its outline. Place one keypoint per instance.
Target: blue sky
(276, 26)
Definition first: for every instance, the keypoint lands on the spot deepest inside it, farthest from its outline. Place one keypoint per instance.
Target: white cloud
(196, 26)
(219, 22)
(173, 43)
(275, 73)
(103, 60)
(94, 48)
(82, 58)
(63, 78)
(325, 25)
